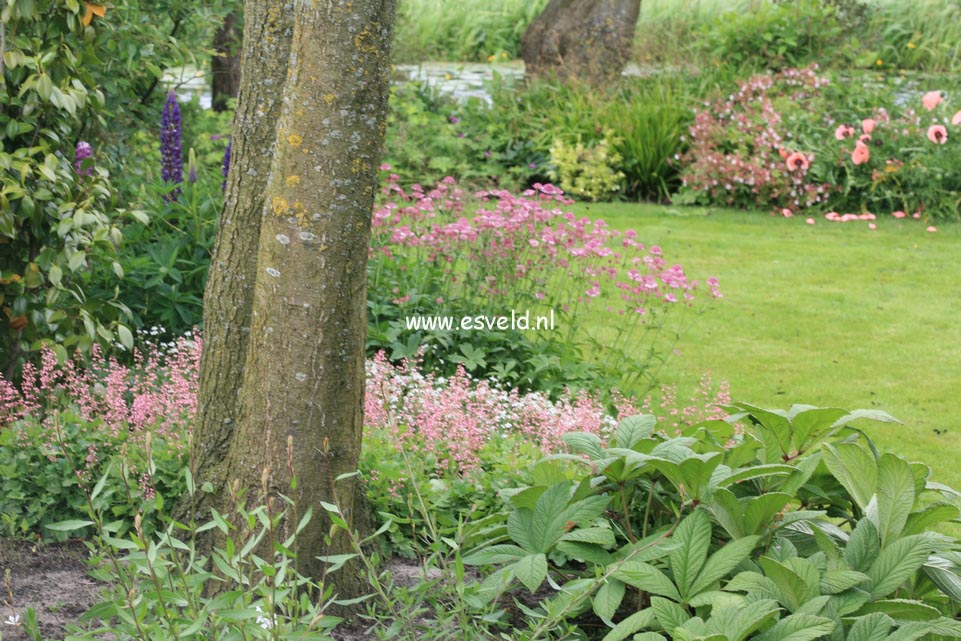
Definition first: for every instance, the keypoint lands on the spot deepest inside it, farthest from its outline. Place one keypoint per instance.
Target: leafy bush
(792, 524)
(586, 172)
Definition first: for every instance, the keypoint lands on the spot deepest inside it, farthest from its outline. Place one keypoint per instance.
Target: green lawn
(827, 314)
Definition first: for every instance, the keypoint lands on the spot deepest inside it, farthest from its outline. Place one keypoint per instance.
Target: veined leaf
(924, 519)
(794, 589)
(495, 554)
(798, 627)
(723, 562)
(531, 571)
(598, 535)
(633, 429)
(693, 536)
(895, 496)
(863, 546)
(668, 614)
(586, 552)
(736, 623)
(608, 598)
(646, 577)
(902, 610)
(836, 581)
(897, 563)
(871, 627)
(855, 468)
(632, 624)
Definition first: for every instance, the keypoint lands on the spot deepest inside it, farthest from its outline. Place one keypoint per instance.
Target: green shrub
(586, 172)
(793, 524)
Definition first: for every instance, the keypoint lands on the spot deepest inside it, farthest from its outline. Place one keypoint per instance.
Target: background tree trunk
(586, 39)
(225, 67)
(302, 375)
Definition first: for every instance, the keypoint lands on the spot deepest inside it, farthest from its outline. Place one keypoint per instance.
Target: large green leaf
(837, 580)
(608, 598)
(633, 429)
(798, 627)
(736, 623)
(632, 624)
(863, 546)
(546, 524)
(895, 496)
(722, 563)
(897, 563)
(693, 537)
(495, 554)
(531, 571)
(795, 590)
(926, 518)
(648, 578)
(811, 425)
(855, 468)
(902, 610)
(598, 535)
(668, 614)
(871, 627)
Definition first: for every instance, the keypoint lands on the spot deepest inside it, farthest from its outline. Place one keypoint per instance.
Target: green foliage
(49, 466)
(586, 172)
(57, 222)
(465, 31)
(794, 528)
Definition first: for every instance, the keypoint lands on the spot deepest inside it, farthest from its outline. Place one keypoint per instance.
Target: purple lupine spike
(83, 151)
(171, 146)
(226, 169)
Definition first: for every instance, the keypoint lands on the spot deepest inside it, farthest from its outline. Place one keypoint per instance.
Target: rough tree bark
(285, 322)
(225, 66)
(586, 39)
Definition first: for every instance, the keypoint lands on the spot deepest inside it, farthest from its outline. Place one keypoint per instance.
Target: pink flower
(809, 221)
(931, 100)
(956, 120)
(796, 161)
(787, 213)
(898, 214)
(867, 125)
(916, 215)
(872, 226)
(937, 134)
(843, 131)
(861, 153)
(832, 215)
(932, 229)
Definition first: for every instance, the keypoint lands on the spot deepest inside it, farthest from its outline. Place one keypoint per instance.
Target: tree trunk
(586, 39)
(228, 298)
(225, 66)
(302, 375)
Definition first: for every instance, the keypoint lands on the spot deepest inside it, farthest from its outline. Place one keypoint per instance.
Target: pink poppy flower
(861, 153)
(809, 221)
(867, 125)
(956, 120)
(898, 214)
(931, 100)
(916, 215)
(833, 215)
(796, 161)
(865, 138)
(787, 213)
(932, 229)
(846, 131)
(872, 226)
(937, 134)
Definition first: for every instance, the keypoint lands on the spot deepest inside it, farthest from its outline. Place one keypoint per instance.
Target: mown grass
(828, 315)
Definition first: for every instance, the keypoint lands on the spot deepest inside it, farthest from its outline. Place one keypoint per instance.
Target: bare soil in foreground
(53, 580)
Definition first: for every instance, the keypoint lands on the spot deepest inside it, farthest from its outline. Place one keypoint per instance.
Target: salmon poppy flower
(956, 120)
(931, 100)
(861, 154)
(782, 152)
(868, 125)
(846, 131)
(937, 134)
(898, 214)
(796, 161)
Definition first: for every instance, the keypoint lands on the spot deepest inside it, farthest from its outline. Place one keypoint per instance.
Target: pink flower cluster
(454, 419)
(739, 154)
(509, 248)
(157, 393)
